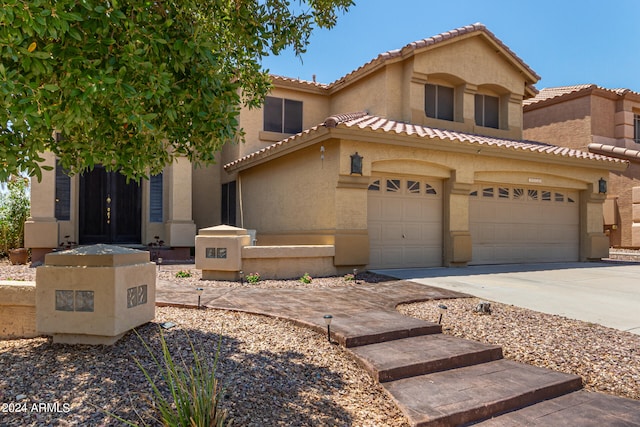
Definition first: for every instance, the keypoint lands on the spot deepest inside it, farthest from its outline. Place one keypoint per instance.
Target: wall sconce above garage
(356, 164)
(602, 186)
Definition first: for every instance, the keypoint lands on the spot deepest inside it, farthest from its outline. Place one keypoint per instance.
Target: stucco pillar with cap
(457, 236)
(594, 243)
(179, 228)
(41, 228)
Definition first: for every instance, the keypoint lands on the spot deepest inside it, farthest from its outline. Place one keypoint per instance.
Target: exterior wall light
(199, 292)
(602, 186)
(327, 320)
(356, 164)
(443, 309)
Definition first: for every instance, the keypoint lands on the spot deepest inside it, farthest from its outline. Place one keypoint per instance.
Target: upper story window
(282, 115)
(636, 128)
(438, 101)
(487, 110)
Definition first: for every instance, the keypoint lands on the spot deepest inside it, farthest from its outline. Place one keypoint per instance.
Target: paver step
(372, 327)
(408, 357)
(476, 392)
(581, 408)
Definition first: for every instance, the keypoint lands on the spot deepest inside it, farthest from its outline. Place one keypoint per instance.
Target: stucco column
(594, 244)
(179, 228)
(352, 237)
(457, 236)
(41, 228)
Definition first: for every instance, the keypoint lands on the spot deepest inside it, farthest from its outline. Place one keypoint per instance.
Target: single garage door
(511, 224)
(405, 222)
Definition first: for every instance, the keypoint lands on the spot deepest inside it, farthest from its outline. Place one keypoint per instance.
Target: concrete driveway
(606, 293)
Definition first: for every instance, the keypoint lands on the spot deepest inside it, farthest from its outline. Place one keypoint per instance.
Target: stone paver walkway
(436, 380)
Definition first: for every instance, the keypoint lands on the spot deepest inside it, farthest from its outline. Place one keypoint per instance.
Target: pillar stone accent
(180, 230)
(94, 294)
(457, 236)
(594, 243)
(219, 251)
(41, 228)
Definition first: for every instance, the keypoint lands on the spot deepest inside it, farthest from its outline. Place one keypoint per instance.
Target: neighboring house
(603, 121)
(415, 159)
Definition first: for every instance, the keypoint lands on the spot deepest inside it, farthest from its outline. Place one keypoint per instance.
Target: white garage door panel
(524, 229)
(405, 223)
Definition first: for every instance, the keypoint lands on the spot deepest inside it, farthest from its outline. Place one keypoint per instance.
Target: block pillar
(352, 236)
(180, 230)
(635, 217)
(41, 228)
(594, 244)
(457, 236)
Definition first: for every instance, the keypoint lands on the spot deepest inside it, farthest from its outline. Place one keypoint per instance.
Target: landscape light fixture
(443, 309)
(241, 277)
(199, 292)
(355, 275)
(602, 186)
(327, 320)
(159, 262)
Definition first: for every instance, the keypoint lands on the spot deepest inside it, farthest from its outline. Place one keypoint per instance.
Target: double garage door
(508, 224)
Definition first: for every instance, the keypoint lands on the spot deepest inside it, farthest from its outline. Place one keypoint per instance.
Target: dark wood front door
(109, 208)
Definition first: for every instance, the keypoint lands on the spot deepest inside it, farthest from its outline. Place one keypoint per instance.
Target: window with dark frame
(282, 115)
(438, 102)
(487, 111)
(228, 203)
(63, 194)
(636, 128)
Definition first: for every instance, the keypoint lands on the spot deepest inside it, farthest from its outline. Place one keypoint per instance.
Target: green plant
(183, 274)
(195, 395)
(253, 277)
(14, 211)
(349, 277)
(306, 278)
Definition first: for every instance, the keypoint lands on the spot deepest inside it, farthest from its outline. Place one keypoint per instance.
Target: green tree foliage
(131, 84)
(14, 211)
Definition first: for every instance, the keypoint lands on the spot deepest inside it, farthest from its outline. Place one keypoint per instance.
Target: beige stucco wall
(295, 198)
(298, 198)
(17, 309)
(206, 195)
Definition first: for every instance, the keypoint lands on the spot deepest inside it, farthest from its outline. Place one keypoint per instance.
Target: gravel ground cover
(276, 373)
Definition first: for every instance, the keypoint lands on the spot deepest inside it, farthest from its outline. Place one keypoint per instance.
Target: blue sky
(566, 42)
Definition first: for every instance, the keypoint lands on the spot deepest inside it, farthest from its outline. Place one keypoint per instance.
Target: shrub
(14, 211)
(183, 274)
(253, 277)
(349, 277)
(306, 278)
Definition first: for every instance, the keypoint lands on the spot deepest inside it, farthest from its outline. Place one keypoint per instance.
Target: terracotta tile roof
(556, 92)
(364, 122)
(613, 151)
(307, 83)
(411, 47)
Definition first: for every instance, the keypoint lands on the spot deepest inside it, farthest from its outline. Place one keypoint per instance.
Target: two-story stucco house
(604, 121)
(414, 159)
